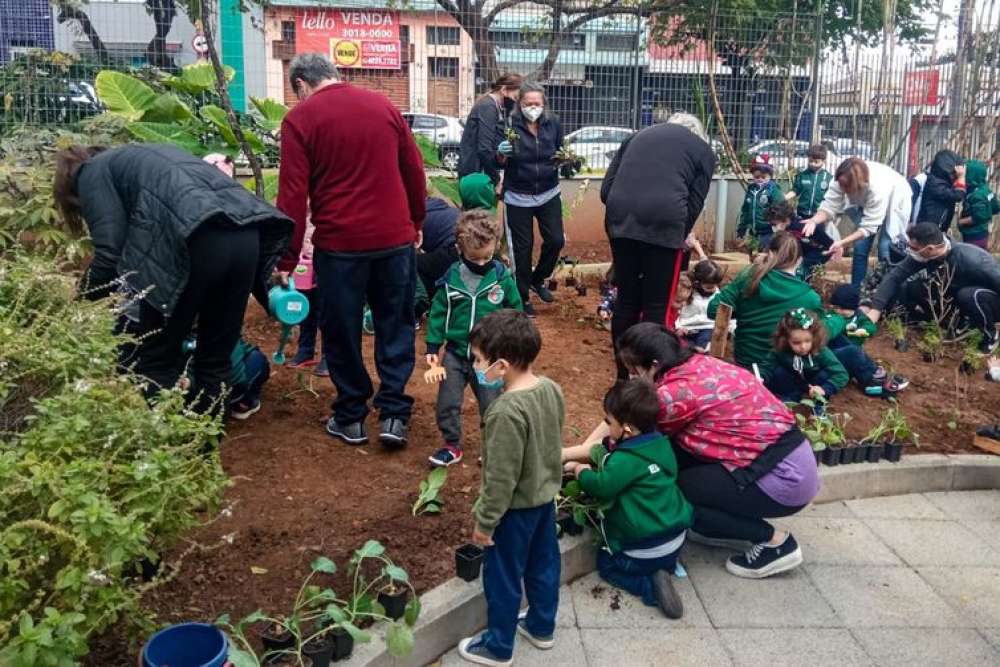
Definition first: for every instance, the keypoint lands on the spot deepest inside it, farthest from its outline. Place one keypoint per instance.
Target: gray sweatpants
(451, 396)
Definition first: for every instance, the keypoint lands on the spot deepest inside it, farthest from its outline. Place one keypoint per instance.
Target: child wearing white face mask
(761, 193)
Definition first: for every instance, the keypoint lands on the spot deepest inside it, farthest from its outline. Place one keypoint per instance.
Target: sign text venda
(352, 38)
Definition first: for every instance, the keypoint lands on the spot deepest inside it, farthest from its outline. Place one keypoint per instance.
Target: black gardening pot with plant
(859, 452)
(893, 451)
(874, 453)
(469, 561)
(343, 644)
(276, 637)
(831, 455)
(846, 454)
(552, 285)
(567, 524)
(319, 650)
(393, 600)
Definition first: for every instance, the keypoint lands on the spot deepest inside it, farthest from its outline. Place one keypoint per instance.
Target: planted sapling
(428, 501)
(932, 342)
(972, 359)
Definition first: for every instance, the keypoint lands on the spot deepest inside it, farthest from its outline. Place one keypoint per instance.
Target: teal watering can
(290, 307)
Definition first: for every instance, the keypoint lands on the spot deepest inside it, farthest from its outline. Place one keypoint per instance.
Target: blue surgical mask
(488, 384)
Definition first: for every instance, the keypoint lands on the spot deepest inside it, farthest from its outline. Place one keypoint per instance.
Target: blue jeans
(258, 371)
(858, 364)
(634, 575)
(386, 279)
(524, 547)
(861, 250)
(701, 338)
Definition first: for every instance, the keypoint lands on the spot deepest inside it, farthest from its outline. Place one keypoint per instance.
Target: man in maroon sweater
(348, 159)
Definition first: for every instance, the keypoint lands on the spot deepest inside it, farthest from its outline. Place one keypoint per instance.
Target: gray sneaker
(666, 595)
(352, 434)
(392, 432)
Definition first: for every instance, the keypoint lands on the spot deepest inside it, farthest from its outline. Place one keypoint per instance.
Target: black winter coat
(484, 130)
(969, 266)
(937, 204)
(532, 169)
(656, 185)
(142, 202)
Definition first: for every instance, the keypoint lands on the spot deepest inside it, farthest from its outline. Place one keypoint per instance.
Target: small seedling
(972, 359)
(932, 342)
(428, 501)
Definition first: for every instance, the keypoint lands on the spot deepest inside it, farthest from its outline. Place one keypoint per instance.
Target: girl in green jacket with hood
(979, 208)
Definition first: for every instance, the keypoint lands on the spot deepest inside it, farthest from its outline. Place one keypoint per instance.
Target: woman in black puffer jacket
(944, 188)
(181, 238)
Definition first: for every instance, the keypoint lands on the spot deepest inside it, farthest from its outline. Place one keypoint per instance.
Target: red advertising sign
(354, 38)
(921, 87)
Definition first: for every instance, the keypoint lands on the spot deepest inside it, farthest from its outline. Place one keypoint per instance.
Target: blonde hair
(852, 174)
(782, 252)
(476, 228)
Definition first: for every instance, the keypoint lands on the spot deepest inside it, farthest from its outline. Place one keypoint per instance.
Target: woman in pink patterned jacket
(741, 458)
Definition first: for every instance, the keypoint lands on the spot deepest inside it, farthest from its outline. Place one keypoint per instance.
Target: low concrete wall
(456, 609)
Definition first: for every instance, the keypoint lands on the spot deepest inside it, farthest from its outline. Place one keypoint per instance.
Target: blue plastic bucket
(186, 645)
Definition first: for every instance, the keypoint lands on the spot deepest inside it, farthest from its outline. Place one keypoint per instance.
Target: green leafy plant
(931, 343)
(428, 151)
(896, 327)
(822, 428)
(972, 359)
(428, 501)
(893, 427)
(511, 135)
(584, 509)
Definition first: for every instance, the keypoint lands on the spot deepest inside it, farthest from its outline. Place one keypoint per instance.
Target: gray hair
(691, 123)
(313, 68)
(533, 87)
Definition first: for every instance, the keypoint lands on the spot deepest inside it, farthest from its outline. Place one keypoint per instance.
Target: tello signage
(352, 38)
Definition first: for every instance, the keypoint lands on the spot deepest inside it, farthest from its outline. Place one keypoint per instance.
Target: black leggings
(520, 220)
(721, 508)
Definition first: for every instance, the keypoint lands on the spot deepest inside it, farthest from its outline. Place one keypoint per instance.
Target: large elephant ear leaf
(271, 112)
(168, 108)
(217, 117)
(124, 95)
(201, 76)
(166, 133)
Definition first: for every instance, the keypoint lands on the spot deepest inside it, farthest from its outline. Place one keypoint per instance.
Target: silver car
(597, 145)
(444, 131)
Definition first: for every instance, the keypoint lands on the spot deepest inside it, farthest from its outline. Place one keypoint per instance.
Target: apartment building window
(616, 42)
(443, 35)
(443, 68)
(288, 31)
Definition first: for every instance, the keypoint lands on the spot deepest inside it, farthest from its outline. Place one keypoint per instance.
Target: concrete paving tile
(838, 541)
(785, 600)
(593, 598)
(815, 647)
(987, 531)
(681, 647)
(992, 635)
(910, 506)
(934, 542)
(871, 596)
(969, 505)
(567, 651)
(973, 592)
(927, 647)
(566, 616)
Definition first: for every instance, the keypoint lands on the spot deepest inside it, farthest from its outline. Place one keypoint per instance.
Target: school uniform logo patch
(495, 295)
(653, 468)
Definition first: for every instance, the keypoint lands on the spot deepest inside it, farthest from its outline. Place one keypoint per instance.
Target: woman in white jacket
(876, 197)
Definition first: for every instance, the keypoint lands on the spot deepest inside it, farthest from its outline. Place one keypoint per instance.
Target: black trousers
(721, 508)
(644, 274)
(223, 261)
(980, 305)
(522, 231)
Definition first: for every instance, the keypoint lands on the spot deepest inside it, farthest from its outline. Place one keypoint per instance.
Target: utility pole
(965, 13)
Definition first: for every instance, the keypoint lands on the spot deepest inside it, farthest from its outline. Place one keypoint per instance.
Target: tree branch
(68, 12)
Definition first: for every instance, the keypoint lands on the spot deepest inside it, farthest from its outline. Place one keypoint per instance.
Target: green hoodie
(457, 307)
(980, 203)
(858, 329)
(757, 316)
(810, 188)
(477, 191)
(640, 477)
(808, 368)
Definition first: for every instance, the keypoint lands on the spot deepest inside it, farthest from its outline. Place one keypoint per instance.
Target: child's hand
(580, 467)
(432, 360)
(816, 392)
(480, 538)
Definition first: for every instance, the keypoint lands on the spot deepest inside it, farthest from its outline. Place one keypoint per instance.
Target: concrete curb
(456, 609)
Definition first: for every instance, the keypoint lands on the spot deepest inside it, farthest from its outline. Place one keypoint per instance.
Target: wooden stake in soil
(720, 335)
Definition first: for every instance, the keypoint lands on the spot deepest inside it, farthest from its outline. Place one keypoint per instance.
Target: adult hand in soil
(871, 313)
(816, 392)
(481, 538)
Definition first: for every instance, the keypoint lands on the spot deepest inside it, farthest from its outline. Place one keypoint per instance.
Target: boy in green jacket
(761, 193)
(847, 323)
(810, 185)
(979, 208)
(472, 288)
(637, 472)
(515, 514)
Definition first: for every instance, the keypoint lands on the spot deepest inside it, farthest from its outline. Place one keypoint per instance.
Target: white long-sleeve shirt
(694, 316)
(887, 199)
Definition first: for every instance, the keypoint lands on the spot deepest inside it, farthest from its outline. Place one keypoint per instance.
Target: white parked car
(848, 148)
(597, 145)
(778, 150)
(444, 131)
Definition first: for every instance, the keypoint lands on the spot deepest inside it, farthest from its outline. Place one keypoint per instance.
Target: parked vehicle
(597, 145)
(847, 147)
(58, 101)
(787, 154)
(444, 131)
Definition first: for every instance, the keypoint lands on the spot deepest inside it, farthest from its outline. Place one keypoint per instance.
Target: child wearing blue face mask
(522, 472)
(473, 287)
(761, 193)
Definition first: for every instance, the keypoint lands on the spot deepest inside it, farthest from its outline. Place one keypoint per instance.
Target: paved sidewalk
(905, 580)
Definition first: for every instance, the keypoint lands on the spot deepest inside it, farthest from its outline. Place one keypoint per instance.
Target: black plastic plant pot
(147, 569)
(393, 603)
(893, 452)
(581, 289)
(874, 453)
(846, 455)
(276, 638)
(567, 524)
(968, 368)
(343, 644)
(901, 344)
(552, 285)
(929, 358)
(859, 453)
(320, 650)
(831, 456)
(570, 281)
(468, 561)
(818, 453)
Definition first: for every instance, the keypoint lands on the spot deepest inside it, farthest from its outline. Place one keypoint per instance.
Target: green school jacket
(810, 188)
(755, 204)
(852, 328)
(640, 477)
(812, 365)
(980, 203)
(455, 310)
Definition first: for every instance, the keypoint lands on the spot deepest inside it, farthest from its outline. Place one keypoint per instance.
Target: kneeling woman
(741, 458)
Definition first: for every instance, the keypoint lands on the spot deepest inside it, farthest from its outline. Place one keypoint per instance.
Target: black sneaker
(989, 343)
(543, 293)
(446, 456)
(392, 433)
(763, 560)
(243, 409)
(666, 595)
(352, 434)
(529, 310)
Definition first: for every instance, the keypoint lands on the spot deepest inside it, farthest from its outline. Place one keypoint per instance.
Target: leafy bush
(92, 478)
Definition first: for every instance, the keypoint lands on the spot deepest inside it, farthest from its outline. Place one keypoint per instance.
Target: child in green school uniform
(801, 365)
(810, 185)
(761, 193)
(979, 208)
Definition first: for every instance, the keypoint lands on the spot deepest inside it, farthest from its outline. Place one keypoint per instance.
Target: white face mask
(532, 113)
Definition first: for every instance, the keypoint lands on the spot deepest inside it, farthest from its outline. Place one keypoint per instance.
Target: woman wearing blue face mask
(531, 191)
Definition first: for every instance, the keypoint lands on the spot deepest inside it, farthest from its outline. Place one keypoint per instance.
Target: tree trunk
(71, 13)
(227, 104)
(163, 13)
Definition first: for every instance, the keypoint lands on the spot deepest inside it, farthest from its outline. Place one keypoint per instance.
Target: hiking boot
(352, 434)
(474, 650)
(446, 456)
(543, 293)
(543, 643)
(666, 595)
(392, 432)
(243, 409)
(763, 560)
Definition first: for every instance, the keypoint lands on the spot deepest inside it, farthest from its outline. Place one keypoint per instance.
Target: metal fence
(760, 82)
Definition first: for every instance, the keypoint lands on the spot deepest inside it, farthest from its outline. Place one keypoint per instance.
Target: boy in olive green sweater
(522, 472)
(636, 471)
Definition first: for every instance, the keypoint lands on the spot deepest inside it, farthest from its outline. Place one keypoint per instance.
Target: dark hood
(944, 164)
